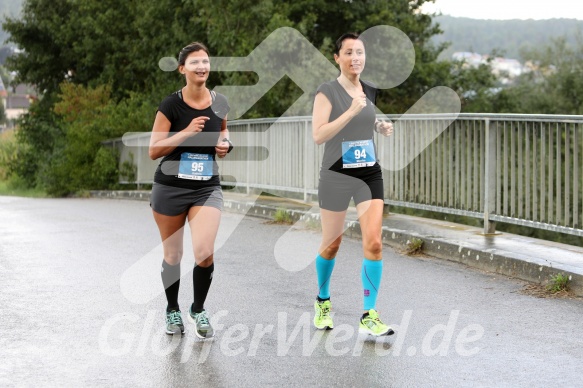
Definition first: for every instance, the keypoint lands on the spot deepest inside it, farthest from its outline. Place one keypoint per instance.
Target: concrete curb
(142, 195)
(496, 261)
(491, 260)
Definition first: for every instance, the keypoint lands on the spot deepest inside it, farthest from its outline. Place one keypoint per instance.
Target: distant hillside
(481, 36)
(507, 36)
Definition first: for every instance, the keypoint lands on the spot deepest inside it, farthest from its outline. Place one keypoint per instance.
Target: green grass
(282, 216)
(14, 189)
(558, 283)
(414, 246)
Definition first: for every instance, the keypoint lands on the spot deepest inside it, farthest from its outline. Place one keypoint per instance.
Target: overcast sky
(509, 9)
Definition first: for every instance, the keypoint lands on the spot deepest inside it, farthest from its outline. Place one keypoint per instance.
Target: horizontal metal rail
(513, 168)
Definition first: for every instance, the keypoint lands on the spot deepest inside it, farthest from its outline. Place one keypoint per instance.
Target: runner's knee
(203, 256)
(173, 257)
(374, 246)
(332, 248)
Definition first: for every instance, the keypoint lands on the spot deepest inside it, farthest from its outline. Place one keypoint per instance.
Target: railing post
(306, 160)
(490, 178)
(139, 162)
(247, 165)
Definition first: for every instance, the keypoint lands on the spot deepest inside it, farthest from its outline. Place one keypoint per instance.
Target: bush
(128, 171)
(59, 148)
(105, 170)
(8, 154)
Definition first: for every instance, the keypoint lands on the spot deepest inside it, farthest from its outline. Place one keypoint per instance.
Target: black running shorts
(172, 201)
(335, 189)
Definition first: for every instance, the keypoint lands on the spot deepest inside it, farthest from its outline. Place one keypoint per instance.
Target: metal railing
(519, 169)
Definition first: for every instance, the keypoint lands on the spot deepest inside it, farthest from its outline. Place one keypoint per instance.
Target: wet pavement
(534, 260)
(82, 305)
(522, 257)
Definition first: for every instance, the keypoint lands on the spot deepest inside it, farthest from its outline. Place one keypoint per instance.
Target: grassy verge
(282, 216)
(9, 188)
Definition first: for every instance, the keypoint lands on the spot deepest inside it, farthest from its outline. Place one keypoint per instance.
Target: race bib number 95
(195, 166)
(358, 153)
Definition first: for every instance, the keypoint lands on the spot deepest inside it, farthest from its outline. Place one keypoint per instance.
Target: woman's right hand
(358, 104)
(196, 125)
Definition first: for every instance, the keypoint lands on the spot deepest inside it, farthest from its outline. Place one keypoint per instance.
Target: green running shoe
(372, 324)
(174, 323)
(202, 324)
(322, 319)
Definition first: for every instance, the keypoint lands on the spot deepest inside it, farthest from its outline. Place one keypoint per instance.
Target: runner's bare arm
(222, 147)
(322, 129)
(161, 144)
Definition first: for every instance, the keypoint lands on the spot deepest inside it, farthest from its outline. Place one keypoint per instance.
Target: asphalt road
(81, 304)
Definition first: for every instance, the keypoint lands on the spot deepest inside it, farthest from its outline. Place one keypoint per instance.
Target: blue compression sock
(371, 274)
(324, 269)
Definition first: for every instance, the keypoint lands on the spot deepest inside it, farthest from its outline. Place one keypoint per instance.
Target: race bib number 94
(195, 166)
(358, 153)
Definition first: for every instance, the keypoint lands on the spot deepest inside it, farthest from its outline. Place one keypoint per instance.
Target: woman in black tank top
(344, 120)
(189, 132)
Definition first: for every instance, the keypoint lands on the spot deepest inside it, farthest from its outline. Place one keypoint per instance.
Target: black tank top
(361, 127)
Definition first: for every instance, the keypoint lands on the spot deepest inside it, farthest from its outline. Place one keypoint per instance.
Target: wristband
(230, 144)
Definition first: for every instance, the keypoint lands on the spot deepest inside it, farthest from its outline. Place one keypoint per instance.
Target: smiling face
(351, 57)
(196, 67)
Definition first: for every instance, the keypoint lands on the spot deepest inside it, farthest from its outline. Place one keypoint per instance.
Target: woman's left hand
(385, 128)
(222, 148)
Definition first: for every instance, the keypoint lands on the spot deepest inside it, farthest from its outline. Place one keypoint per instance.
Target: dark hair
(348, 35)
(191, 48)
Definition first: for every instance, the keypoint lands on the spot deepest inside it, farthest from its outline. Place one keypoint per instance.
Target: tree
(94, 42)
(475, 86)
(88, 116)
(554, 85)
(47, 54)
(38, 132)
(78, 46)
(2, 114)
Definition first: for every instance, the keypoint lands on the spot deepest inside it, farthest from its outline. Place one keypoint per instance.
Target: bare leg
(171, 231)
(204, 225)
(332, 230)
(370, 216)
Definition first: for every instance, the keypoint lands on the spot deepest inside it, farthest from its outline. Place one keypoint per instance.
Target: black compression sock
(201, 282)
(171, 282)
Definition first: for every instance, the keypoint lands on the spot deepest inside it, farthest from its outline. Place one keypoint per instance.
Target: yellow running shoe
(322, 319)
(372, 324)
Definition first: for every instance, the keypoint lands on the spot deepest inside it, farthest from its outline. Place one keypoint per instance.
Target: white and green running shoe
(202, 324)
(322, 319)
(174, 323)
(372, 324)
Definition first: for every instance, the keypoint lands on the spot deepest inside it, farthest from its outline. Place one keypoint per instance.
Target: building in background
(15, 102)
(505, 69)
